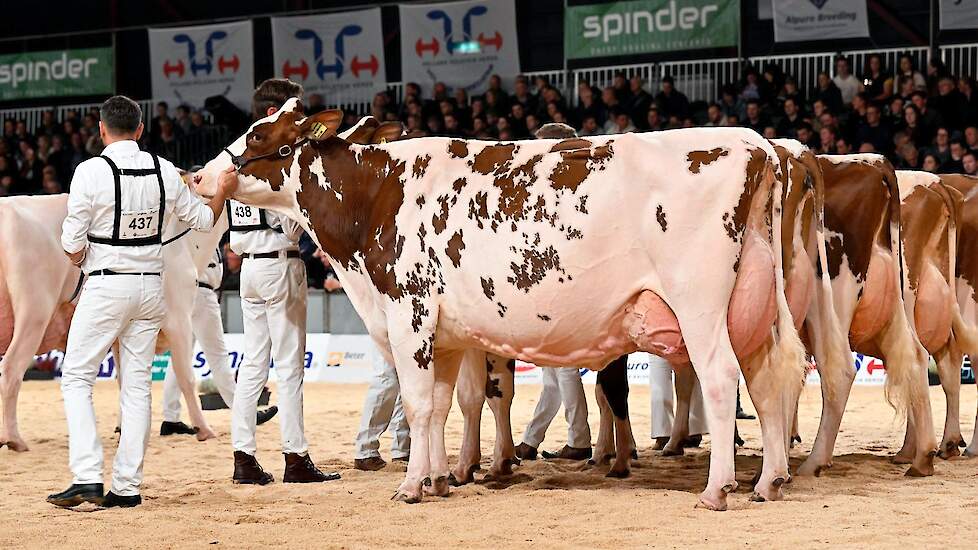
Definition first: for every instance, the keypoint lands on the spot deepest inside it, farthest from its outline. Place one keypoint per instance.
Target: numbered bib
(243, 215)
(139, 225)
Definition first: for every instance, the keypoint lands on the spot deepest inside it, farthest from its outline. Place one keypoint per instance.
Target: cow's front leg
(181, 348)
(501, 379)
(605, 444)
(446, 373)
(471, 396)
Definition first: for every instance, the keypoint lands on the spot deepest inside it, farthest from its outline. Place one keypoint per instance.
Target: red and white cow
(446, 245)
(38, 285)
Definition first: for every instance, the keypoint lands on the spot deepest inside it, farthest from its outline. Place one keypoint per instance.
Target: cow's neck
(352, 210)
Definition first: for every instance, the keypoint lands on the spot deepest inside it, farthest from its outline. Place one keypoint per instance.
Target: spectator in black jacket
(875, 131)
(828, 93)
(788, 124)
(671, 101)
(640, 102)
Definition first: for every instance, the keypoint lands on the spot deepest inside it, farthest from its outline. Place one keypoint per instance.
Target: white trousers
(128, 308)
(273, 304)
(560, 385)
(209, 332)
(663, 407)
(382, 410)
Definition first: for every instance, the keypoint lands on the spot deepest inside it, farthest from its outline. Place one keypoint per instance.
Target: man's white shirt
(91, 208)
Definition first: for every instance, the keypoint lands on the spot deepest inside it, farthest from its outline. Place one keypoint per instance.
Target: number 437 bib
(140, 224)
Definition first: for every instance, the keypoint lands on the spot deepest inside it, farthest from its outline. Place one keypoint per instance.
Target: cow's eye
(256, 138)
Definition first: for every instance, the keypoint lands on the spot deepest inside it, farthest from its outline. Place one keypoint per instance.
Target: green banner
(56, 73)
(649, 26)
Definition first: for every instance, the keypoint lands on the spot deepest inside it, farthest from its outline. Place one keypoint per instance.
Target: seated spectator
(653, 119)
(874, 130)
(877, 83)
(640, 99)
(828, 93)
(949, 104)
(768, 133)
(906, 70)
(827, 139)
(29, 171)
(622, 90)
(730, 104)
(670, 100)
(506, 134)
(790, 89)
(523, 96)
(453, 128)
(532, 123)
(941, 148)
(969, 163)
(182, 119)
(806, 135)
(590, 106)
(589, 126)
(929, 119)
(714, 116)
(434, 126)
(912, 126)
(931, 164)
(755, 118)
(867, 147)
(619, 123)
(750, 89)
(842, 146)
(788, 124)
(967, 87)
(6, 185)
(610, 101)
(895, 110)
(971, 137)
(49, 183)
(905, 88)
(909, 158)
(517, 121)
(956, 163)
(848, 84)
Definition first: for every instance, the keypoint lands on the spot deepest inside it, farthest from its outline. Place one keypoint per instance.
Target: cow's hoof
(757, 497)
(951, 447)
(811, 469)
(619, 472)
(203, 434)
(401, 496)
(924, 467)
(15, 444)
(465, 475)
(970, 453)
(673, 451)
(438, 487)
(716, 500)
(768, 492)
(504, 468)
(513, 460)
(901, 459)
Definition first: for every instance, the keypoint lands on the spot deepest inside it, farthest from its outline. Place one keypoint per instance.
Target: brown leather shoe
(526, 452)
(300, 469)
(569, 453)
(369, 464)
(404, 459)
(247, 471)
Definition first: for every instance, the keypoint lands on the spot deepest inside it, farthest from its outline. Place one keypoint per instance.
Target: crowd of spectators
(920, 121)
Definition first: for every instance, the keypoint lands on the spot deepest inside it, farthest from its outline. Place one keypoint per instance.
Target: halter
(239, 161)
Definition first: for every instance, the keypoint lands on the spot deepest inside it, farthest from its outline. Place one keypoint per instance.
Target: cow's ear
(322, 125)
(388, 131)
(363, 133)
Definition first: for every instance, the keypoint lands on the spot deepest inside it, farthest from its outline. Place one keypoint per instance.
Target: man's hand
(331, 284)
(76, 258)
(227, 184)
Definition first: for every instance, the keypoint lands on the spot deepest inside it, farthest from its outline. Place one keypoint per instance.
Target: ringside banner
(190, 64)
(803, 20)
(340, 56)
(959, 14)
(56, 73)
(649, 26)
(460, 43)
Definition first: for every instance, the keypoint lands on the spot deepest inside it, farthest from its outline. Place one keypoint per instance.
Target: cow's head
(265, 154)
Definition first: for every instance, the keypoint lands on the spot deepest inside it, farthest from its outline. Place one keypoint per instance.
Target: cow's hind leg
(613, 380)
(769, 396)
(502, 378)
(181, 353)
(604, 445)
(446, 366)
(949, 369)
(471, 396)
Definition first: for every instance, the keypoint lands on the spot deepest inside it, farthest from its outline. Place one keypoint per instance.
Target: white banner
(340, 56)
(461, 44)
(803, 20)
(959, 14)
(190, 64)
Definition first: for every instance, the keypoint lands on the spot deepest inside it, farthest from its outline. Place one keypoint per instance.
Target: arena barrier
(352, 359)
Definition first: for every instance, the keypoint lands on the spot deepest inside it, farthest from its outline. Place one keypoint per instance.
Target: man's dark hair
(668, 80)
(273, 93)
(919, 93)
(555, 130)
(120, 115)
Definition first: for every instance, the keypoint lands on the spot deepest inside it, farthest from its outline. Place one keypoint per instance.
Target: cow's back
(967, 244)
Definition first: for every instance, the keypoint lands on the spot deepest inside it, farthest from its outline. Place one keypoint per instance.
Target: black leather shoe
(300, 469)
(569, 453)
(369, 464)
(525, 451)
(112, 500)
(267, 414)
(742, 415)
(171, 428)
(247, 471)
(78, 494)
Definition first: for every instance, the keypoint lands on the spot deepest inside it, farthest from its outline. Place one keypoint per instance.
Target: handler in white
(273, 304)
(382, 410)
(663, 405)
(209, 332)
(117, 208)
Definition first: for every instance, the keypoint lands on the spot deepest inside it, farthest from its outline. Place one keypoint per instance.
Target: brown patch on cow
(543, 317)
(571, 144)
(697, 159)
(420, 201)
(488, 287)
(273, 169)
(494, 158)
(501, 309)
(660, 216)
(535, 266)
(455, 246)
(582, 204)
(735, 222)
(923, 218)
(479, 208)
(458, 149)
(458, 184)
(492, 386)
(514, 190)
(575, 166)
(439, 220)
(423, 355)
(421, 166)
(967, 256)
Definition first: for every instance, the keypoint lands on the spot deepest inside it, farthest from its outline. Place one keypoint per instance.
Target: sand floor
(189, 500)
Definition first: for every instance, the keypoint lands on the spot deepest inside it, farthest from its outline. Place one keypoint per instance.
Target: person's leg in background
(383, 396)
(572, 396)
(661, 392)
(543, 415)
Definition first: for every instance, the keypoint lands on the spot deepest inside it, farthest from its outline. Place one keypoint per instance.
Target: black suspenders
(116, 239)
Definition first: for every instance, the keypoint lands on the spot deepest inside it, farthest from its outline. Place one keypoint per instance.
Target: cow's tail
(788, 355)
(836, 342)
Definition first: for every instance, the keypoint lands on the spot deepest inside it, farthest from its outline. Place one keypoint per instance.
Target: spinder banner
(803, 20)
(190, 64)
(649, 26)
(340, 56)
(460, 43)
(959, 14)
(56, 73)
